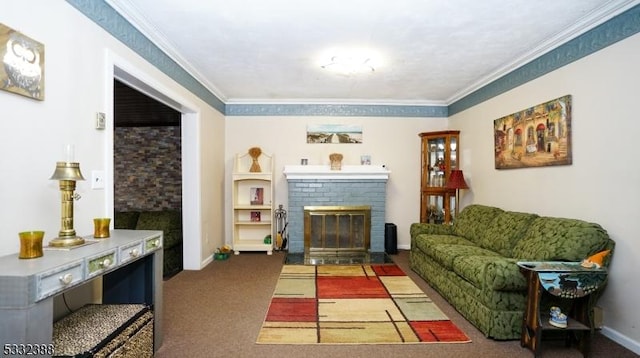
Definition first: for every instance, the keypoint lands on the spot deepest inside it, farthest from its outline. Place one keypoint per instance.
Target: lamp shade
(456, 180)
(67, 171)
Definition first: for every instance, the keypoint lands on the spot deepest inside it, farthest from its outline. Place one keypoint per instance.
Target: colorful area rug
(353, 304)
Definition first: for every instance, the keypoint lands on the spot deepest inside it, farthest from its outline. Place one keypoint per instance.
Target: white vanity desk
(130, 263)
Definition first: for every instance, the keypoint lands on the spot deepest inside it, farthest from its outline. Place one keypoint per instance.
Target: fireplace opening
(337, 230)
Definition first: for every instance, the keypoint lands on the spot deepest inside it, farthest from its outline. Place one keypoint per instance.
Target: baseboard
(621, 339)
(206, 261)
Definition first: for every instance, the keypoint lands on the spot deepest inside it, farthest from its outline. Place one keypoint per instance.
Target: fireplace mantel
(356, 172)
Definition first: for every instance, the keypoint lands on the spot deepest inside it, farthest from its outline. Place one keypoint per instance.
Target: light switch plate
(100, 120)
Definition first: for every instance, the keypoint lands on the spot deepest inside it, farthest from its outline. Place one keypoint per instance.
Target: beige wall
(602, 183)
(393, 142)
(212, 188)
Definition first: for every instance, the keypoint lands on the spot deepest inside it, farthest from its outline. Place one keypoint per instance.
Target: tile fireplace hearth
(318, 185)
(300, 258)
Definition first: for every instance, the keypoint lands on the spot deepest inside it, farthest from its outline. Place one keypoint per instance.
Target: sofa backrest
(474, 220)
(505, 231)
(159, 220)
(125, 219)
(561, 239)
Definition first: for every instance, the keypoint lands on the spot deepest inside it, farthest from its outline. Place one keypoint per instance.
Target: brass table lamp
(67, 173)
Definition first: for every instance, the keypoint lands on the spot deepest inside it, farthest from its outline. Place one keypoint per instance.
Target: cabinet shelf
(439, 156)
(254, 223)
(252, 204)
(252, 245)
(572, 325)
(252, 207)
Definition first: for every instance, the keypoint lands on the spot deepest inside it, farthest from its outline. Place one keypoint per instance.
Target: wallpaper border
(608, 33)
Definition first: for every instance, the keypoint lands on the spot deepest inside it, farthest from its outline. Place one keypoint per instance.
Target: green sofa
(167, 221)
(472, 263)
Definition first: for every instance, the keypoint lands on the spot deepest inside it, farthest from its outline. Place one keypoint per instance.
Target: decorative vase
(336, 161)
(255, 153)
(101, 228)
(30, 244)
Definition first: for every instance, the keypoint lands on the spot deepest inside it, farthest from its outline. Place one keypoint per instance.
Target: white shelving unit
(253, 204)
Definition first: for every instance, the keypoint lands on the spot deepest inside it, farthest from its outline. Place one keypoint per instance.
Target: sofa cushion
(474, 220)
(425, 228)
(125, 219)
(424, 241)
(561, 239)
(168, 221)
(503, 233)
(490, 272)
(445, 254)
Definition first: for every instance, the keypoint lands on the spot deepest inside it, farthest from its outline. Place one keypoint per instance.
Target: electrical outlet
(100, 120)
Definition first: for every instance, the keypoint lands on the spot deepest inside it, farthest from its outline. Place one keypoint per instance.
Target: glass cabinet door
(439, 157)
(439, 207)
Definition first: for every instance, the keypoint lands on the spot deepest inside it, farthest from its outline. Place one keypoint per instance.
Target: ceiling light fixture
(350, 61)
(349, 65)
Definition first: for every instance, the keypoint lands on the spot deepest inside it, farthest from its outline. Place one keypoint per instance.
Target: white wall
(602, 183)
(393, 142)
(79, 56)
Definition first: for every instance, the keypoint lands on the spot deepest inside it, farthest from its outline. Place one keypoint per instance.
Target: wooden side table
(569, 281)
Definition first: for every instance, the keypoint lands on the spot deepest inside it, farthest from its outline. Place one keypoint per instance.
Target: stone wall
(147, 168)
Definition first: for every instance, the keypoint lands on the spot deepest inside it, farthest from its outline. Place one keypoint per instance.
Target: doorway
(118, 68)
(148, 169)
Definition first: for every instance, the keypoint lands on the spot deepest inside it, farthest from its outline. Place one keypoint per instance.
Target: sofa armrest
(167, 221)
(172, 238)
(504, 275)
(425, 228)
(561, 239)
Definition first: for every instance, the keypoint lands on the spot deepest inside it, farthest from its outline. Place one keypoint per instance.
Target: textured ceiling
(430, 51)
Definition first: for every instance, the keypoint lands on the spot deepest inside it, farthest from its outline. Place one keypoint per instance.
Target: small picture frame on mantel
(365, 160)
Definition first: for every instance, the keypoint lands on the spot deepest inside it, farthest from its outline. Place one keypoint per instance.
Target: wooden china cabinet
(439, 155)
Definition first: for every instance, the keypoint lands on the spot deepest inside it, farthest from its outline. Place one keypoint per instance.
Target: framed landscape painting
(535, 137)
(334, 133)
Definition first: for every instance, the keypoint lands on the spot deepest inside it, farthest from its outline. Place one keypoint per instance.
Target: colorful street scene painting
(535, 137)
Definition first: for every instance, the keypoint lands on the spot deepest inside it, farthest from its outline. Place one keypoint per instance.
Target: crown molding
(597, 17)
(132, 14)
(603, 35)
(115, 24)
(603, 27)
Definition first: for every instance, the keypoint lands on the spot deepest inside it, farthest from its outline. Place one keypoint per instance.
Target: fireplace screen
(337, 229)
